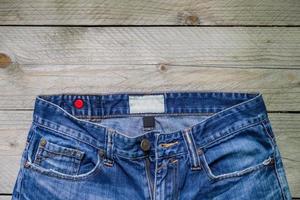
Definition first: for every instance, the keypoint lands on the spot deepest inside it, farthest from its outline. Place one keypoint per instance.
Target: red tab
(78, 103)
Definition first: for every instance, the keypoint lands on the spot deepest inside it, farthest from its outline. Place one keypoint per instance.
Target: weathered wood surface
(143, 12)
(14, 126)
(20, 84)
(275, 47)
(48, 59)
(5, 197)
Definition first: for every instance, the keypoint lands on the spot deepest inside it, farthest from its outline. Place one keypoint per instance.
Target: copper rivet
(199, 151)
(26, 164)
(43, 142)
(145, 145)
(101, 153)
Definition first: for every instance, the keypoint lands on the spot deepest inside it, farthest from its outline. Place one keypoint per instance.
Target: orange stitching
(167, 145)
(173, 161)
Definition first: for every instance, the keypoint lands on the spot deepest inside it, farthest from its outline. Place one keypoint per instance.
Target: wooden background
(94, 46)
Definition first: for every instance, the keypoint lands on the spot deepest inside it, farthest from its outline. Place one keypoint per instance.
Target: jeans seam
(77, 162)
(175, 180)
(65, 135)
(238, 173)
(53, 173)
(232, 134)
(273, 140)
(198, 163)
(141, 157)
(277, 176)
(64, 154)
(191, 159)
(142, 114)
(37, 156)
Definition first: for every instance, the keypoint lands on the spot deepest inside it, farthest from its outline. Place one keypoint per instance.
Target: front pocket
(53, 154)
(268, 161)
(58, 158)
(239, 153)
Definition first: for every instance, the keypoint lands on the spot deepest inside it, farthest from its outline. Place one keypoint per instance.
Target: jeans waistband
(75, 115)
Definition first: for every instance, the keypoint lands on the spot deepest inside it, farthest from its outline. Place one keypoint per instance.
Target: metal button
(200, 151)
(43, 142)
(26, 164)
(145, 145)
(101, 153)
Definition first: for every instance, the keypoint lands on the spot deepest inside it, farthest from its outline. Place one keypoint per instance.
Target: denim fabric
(193, 145)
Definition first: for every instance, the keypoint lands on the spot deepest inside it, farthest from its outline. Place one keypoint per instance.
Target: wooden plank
(142, 12)
(20, 84)
(121, 58)
(5, 197)
(14, 126)
(269, 47)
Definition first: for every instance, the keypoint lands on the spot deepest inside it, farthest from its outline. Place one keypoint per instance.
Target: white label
(147, 104)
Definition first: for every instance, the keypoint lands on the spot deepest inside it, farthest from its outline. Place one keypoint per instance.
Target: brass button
(101, 153)
(26, 164)
(145, 145)
(200, 151)
(43, 142)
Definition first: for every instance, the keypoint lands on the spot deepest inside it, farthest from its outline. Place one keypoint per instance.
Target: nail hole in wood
(163, 67)
(192, 20)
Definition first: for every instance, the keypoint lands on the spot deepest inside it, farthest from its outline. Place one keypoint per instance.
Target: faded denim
(203, 145)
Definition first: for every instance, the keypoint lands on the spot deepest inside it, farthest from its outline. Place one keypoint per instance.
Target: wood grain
(14, 126)
(142, 12)
(20, 84)
(100, 59)
(269, 47)
(5, 197)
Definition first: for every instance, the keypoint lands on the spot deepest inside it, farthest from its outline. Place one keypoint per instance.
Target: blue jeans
(154, 146)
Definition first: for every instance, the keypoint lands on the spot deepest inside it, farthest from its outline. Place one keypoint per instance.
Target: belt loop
(89, 105)
(193, 156)
(109, 148)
